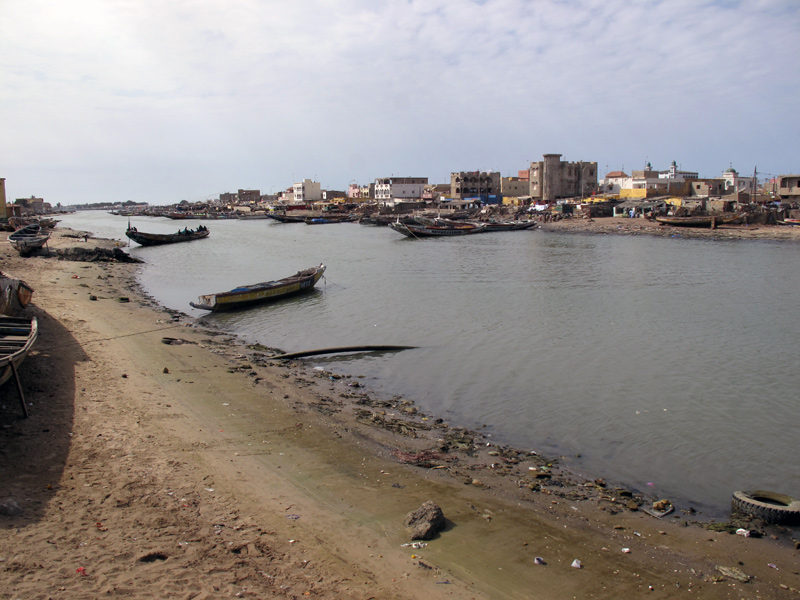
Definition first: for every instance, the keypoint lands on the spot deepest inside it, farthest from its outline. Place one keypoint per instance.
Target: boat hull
(28, 238)
(259, 293)
(17, 336)
(159, 239)
(416, 231)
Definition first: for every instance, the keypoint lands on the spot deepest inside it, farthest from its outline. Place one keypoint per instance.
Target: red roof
(616, 174)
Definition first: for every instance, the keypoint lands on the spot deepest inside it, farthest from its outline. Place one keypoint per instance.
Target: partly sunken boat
(302, 281)
(157, 239)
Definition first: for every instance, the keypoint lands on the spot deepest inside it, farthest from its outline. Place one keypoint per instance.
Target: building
(307, 191)
(477, 185)
(789, 188)
(614, 182)
(399, 189)
(365, 192)
(735, 183)
(552, 178)
(514, 187)
(674, 174)
(249, 196)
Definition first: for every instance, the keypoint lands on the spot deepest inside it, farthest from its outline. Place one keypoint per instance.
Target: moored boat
(302, 281)
(701, 220)
(418, 230)
(157, 239)
(28, 238)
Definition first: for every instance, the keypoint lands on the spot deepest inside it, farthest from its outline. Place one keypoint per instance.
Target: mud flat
(164, 458)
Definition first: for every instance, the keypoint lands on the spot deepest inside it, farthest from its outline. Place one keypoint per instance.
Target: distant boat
(789, 222)
(302, 281)
(702, 220)
(417, 230)
(330, 219)
(157, 239)
(15, 295)
(284, 218)
(17, 336)
(28, 238)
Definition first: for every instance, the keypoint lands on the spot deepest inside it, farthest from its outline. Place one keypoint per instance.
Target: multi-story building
(249, 196)
(364, 192)
(789, 187)
(514, 187)
(307, 191)
(553, 178)
(480, 185)
(398, 189)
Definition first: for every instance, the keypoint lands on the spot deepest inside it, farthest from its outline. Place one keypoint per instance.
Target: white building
(399, 189)
(307, 191)
(675, 174)
(734, 183)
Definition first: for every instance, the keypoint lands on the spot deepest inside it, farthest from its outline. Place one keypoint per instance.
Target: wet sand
(201, 468)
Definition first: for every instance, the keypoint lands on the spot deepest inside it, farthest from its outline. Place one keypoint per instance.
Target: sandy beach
(162, 458)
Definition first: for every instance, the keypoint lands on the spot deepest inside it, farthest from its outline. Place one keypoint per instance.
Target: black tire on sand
(770, 507)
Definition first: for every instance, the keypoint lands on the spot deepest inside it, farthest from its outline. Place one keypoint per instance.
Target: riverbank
(626, 226)
(201, 468)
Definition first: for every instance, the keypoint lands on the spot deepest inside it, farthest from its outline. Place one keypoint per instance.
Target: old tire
(770, 507)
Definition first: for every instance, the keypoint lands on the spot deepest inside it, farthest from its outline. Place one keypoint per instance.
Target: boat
(419, 230)
(330, 219)
(701, 220)
(302, 281)
(157, 239)
(17, 336)
(28, 238)
(789, 222)
(509, 225)
(15, 295)
(284, 218)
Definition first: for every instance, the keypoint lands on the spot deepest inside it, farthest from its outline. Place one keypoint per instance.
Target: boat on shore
(285, 218)
(413, 230)
(158, 239)
(28, 238)
(302, 281)
(17, 336)
(701, 220)
(15, 295)
(324, 220)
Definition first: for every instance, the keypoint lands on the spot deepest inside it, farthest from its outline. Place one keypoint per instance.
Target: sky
(161, 101)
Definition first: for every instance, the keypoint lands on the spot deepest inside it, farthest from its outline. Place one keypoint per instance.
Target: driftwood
(339, 350)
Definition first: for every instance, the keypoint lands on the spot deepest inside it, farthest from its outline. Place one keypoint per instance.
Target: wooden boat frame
(248, 295)
(17, 336)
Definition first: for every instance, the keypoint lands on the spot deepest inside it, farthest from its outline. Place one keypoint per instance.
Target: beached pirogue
(302, 281)
(29, 238)
(17, 336)
(158, 239)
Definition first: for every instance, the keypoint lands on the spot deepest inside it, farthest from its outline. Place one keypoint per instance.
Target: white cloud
(192, 98)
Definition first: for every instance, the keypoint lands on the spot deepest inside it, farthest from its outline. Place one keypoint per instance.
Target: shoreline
(307, 444)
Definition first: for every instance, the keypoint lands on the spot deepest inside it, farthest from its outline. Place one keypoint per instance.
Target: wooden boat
(302, 281)
(15, 295)
(330, 219)
(17, 336)
(789, 222)
(28, 238)
(157, 239)
(284, 218)
(509, 225)
(701, 220)
(418, 230)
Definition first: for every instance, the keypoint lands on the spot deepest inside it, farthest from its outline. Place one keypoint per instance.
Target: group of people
(187, 231)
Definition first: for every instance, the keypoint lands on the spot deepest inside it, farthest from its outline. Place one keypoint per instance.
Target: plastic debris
(577, 564)
(743, 532)
(626, 550)
(539, 561)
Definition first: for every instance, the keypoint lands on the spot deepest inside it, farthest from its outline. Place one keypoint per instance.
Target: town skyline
(161, 102)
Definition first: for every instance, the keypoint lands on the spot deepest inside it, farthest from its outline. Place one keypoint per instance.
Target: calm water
(664, 363)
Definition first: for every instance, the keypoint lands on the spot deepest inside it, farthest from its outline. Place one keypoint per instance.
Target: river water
(665, 364)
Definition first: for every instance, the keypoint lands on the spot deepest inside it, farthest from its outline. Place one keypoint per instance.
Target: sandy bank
(202, 469)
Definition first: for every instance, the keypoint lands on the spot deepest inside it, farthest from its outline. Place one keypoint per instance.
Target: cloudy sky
(161, 101)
